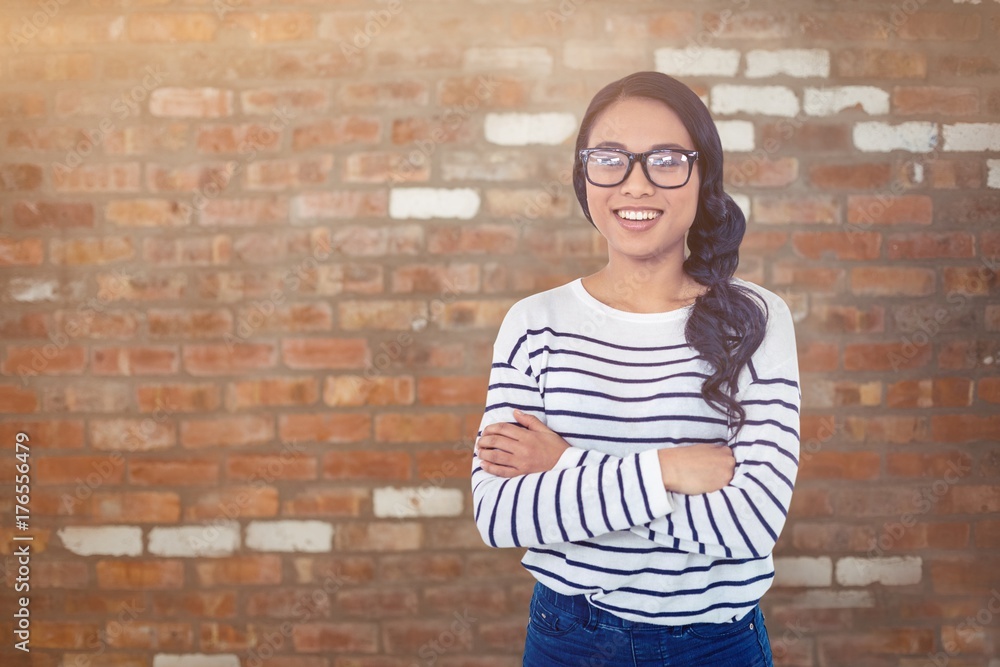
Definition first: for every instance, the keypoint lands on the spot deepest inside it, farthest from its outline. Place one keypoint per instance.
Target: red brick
(320, 353)
(46, 634)
(207, 604)
(862, 645)
(965, 427)
(479, 239)
(975, 280)
(892, 281)
(805, 275)
(931, 245)
(267, 27)
(824, 537)
(133, 434)
(136, 507)
(233, 502)
(951, 465)
(362, 464)
(216, 432)
(357, 390)
(20, 177)
(378, 603)
(22, 105)
(191, 102)
(227, 359)
(439, 464)
(195, 397)
(16, 399)
(117, 177)
(262, 570)
(48, 434)
(832, 26)
(139, 574)
(325, 427)
(423, 427)
(380, 537)
(287, 174)
(335, 132)
(214, 139)
(977, 209)
(53, 215)
(382, 166)
(21, 252)
(154, 636)
(167, 472)
(761, 172)
(327, 502)
(335, 638)
(850, 176)
(811, 137)
(842, 465)
(194, 323)
(968, 575)
(988, 389)
(385, 94)
(140, 287)
(946, 26)
(452, 390)
(927, 393)
(271, 392)
(148, 213)
(490, 92)
(748, 24)
(885, 356)
(271, 466)
(70, 469)
(858, 245)
(146, 360)
(816, 356)
(172, 27)
(969, 499)
(879, 64)
(987, 533)
(935, 100)
(768, 209)
(889, 210)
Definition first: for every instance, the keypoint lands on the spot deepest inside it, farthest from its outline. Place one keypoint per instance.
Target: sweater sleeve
(745, 518)
(586, 494)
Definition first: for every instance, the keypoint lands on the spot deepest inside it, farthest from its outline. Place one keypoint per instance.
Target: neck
(650, 285)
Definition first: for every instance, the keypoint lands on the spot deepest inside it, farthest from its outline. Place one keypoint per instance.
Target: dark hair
(725, 326)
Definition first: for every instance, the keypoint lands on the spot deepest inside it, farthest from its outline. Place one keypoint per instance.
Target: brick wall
(254, 254)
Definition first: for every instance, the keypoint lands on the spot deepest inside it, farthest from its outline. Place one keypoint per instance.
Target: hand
(508, 450)
(695, 469)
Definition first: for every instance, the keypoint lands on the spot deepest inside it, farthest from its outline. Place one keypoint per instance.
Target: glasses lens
(606, 167)
(668, 169)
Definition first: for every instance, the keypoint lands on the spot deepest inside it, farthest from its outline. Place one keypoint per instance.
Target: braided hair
(726, 324)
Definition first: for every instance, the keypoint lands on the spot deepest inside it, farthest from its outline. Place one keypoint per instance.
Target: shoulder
(535, 310)
(775, 303)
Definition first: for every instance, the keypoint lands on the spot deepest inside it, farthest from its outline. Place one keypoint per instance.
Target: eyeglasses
(665, 168)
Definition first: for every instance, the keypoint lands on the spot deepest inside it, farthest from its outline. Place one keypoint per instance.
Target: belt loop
(591, 614)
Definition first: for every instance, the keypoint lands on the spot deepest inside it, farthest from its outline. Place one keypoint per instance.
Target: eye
(607, 159)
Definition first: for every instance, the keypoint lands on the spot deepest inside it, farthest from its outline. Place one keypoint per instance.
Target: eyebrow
(615, 144)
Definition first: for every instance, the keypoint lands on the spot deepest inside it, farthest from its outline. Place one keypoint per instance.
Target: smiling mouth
(643, 215)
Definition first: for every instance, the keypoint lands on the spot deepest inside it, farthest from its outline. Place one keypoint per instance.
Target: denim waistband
(591, 616)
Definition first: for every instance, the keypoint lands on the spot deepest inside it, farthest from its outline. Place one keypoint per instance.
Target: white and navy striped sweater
(617, 386)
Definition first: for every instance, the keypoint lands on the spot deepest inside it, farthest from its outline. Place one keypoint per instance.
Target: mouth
(637, 218)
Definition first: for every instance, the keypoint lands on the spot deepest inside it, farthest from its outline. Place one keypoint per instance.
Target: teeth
(637, 215)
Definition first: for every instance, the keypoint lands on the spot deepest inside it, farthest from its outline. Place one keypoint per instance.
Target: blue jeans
(567, 631)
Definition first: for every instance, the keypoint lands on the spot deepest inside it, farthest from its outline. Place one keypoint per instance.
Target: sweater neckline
(591, 301)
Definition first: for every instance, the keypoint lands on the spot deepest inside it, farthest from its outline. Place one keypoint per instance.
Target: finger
(531, 422)
(497, 443)
(499, 470)
(504, 429)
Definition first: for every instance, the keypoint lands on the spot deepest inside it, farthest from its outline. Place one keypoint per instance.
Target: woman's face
(638, 219)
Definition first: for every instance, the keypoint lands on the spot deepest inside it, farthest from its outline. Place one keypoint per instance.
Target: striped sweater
(617, 386)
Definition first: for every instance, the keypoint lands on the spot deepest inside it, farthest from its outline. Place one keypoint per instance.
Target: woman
(641, 435)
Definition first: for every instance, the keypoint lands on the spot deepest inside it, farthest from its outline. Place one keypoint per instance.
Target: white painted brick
(879, 137)
(972, 137)
(413, 502)
(736, 135)
(214, 539)
(310, 536)
(523, 129)
(743, 202)
(32, 290)
(993, 178)
(520, 57)
(427, 203)
(889, 571)
(196, 660)
(803, 571)
(697, 61)
(764, 100)
(834, 99)
(102, 540)
(793, 62)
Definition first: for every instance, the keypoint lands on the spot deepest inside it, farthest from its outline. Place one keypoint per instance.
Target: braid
(725, 326)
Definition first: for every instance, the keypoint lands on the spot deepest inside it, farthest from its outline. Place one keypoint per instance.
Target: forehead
(639, 123)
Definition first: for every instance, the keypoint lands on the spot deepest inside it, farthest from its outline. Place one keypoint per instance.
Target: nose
(636, 184)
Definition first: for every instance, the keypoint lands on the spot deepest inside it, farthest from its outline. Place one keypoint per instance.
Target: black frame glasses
(691, 156)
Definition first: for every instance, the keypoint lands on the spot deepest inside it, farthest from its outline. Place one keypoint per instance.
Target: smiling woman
(641, 431)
